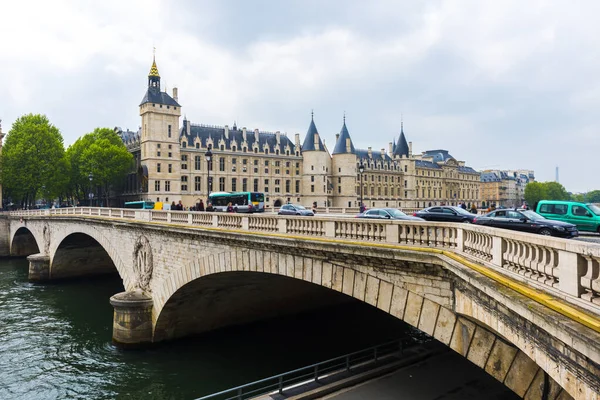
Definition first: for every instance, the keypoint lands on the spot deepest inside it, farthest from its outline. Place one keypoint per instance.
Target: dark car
(295, 209)
(527, 221)
(445, 214)
(387, 213)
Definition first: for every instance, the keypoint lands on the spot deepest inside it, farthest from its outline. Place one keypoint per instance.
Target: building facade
(172, 164)
(505, 187)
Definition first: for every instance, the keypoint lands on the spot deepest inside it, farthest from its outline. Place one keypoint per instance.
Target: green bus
(141, 205)
(243, 202)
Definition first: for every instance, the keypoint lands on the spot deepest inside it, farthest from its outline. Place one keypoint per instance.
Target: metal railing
(312, 373)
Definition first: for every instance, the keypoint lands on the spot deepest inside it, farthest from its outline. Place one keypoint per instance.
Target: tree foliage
(536, 191)
(33, 160)
(102, 154)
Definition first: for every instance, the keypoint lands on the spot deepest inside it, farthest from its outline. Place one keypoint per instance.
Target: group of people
(472, 209)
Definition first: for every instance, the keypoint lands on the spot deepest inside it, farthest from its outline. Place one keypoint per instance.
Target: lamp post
(361, 169)
(208, 156)
(91, 195)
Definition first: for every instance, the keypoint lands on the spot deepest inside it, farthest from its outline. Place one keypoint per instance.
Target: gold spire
(154, 69)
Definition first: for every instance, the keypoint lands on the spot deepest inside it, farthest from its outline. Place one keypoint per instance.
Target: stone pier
(132, 321)
(39, 268)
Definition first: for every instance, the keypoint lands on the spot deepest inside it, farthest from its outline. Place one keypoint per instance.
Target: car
(527, 221)
(387, 213)
(585, 215)
(445, 214)
(295, 209)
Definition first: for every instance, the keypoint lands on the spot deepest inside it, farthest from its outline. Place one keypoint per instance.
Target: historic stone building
(172, 165)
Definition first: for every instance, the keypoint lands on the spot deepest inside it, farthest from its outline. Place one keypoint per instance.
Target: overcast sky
(500, 84)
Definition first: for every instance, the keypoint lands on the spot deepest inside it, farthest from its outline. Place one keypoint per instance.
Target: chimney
(316, 140)
(409, 149)
(244, 135)
(257, 137)
(175, 93)
(391, 147)
(348, 146)
(227, 132)
(370, 151)
(297, 139)
(278, 137)
(382, 152)
(188, 127)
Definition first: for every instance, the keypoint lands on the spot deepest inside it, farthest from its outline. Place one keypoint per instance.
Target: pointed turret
(153, 94)
(401, 148)
(312, 141)
(344, 142)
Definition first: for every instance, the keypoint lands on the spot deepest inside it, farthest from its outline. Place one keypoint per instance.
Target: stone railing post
(110, 212)
(392, 233)
(215, 220)
(460, 240)
(245, 223)
(47, 212)
(190, 218)
(121, 214)
(169, 217)
(497, 250)
(330, 229)
(570, 269)
(282, 225)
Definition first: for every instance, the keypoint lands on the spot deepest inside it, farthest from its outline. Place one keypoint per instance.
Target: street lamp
(208, 156)
(361, 169)
(91, 195)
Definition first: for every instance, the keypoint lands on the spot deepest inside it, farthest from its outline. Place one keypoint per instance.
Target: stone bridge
(524, 308)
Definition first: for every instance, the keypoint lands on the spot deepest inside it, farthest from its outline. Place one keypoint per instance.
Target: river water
(55, 343)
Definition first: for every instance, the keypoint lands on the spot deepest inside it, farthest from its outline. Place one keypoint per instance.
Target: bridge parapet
(567, 269)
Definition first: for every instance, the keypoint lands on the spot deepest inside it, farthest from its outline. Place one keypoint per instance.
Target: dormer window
(222, 147)
(197, 145)
(234, 148)
(184, 145)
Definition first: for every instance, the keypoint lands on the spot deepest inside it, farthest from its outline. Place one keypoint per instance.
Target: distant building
(171, 164)
(505, 187)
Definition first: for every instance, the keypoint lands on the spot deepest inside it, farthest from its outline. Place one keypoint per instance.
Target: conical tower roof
(154, 69)
(309, 140)
(340, 145)
(401, 148)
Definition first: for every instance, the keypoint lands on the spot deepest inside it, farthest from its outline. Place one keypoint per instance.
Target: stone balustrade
(565, 268)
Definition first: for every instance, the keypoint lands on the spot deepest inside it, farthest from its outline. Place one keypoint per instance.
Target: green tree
(33, 160)
(534, 192)
(593, 196)
(103, 154)
(556, 191)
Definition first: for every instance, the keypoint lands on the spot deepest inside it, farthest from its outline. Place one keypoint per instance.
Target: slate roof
(489, 177)
(438, 155)
(401, 148)
(265, 139)
(467, 170)
(309, 140)
(364, 155)
(426, 164)
(154, 95)
(127, 135)
(340, 145)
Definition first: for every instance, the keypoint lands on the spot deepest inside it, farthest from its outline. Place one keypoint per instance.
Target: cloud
(494, 83)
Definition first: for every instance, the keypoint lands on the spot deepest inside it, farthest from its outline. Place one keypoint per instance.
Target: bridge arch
(465, 331)
(23, 242)
(85, 251)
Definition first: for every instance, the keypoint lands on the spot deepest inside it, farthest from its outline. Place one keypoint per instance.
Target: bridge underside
(236, 298)
(80, 255)
(23, 244)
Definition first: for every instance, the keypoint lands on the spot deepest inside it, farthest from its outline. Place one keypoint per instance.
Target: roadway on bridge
(445, 376)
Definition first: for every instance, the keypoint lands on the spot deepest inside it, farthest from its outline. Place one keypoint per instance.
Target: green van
(585, 216)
